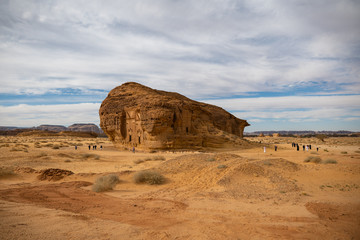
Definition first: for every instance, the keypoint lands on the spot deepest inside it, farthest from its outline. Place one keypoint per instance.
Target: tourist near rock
(133, 115)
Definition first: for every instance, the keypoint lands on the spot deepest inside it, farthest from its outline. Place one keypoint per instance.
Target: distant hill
(53, 129)
(56, 128)
(85, 127)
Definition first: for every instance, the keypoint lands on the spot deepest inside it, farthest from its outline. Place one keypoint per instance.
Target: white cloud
(293, 102)
(63, 114)
(201, 48)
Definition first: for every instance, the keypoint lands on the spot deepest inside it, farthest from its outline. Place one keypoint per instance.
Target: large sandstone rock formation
(134, 115)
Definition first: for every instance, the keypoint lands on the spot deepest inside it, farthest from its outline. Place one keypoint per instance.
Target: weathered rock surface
(134, 115)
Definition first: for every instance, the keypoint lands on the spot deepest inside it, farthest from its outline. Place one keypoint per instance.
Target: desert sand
(229, 194)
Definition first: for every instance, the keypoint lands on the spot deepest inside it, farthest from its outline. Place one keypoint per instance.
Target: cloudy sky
(281, 65)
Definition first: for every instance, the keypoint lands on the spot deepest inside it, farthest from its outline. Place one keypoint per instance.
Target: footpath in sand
(238, 194)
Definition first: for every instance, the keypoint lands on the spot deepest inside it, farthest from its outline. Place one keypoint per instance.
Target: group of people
(94, 147)
(305, 147)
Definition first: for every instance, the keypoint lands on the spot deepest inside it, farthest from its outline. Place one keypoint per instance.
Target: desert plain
(224, 194)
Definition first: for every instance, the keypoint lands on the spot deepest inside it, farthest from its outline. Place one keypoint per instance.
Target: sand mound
(230, 175)
(70, 196)
(53, 174)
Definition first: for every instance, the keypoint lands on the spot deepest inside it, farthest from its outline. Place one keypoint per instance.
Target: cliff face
(134, 115)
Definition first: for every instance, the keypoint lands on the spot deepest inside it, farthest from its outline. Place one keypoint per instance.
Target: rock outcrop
(133, 115)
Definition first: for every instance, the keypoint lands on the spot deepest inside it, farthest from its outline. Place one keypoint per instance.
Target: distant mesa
(55, 128)
(85, 127)
(78, 129)
(133, 115)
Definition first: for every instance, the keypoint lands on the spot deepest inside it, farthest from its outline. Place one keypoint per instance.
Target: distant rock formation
(84, 127)
(134, 115)
(55, 128)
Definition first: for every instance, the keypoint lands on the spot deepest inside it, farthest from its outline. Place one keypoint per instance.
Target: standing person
(75, 147)
(297, 147)
(303, 147)
(100, 147)
(317, 149)
(275, 148)
(89, 147)
(310, 146)
(133, 149)
(264, 149)
(307, 147)
(95, 147)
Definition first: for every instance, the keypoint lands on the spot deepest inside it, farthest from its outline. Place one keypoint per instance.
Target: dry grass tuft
(90, 155)
(155, 158)
(221, 166)
(330, 161)
(313, 159)
(7, 173)
(149, 177)
(105, 183)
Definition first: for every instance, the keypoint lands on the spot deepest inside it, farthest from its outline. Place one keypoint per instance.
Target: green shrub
(149, 177)
(313, 159)
(329, 161)
(210, 159)
(105, 183)
(343, 152)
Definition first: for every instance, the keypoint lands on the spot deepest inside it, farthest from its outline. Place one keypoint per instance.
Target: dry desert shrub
(158, 158)
(64, 155)
(90, 155)
(18, 149)
(343, 152)
(138, 161)
(149, 177)
(221, 166)
(105, 183)
(155, 158)
(313, 159)
(329, 161)
(42, 154)
(7, 173)
(212, 159)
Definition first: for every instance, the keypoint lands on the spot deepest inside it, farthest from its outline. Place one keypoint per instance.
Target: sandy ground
(233, 194)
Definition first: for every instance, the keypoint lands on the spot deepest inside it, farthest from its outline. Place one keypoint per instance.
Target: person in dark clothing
(297, 147)
(275, 148)
(303, 147)
(89, 147)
